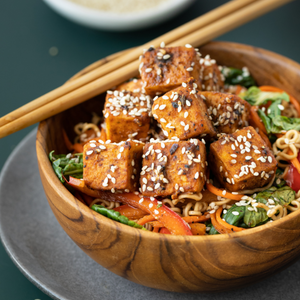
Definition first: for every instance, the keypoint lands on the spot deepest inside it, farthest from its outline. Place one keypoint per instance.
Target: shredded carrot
(220, 225)
(239, 89)
(189, 219)
(78, 148)
(198, 229)
(196, 219)
(155, 229)
(217, 226)
(256, 120)
(68, 143)
(225, 224)
(220, 192)
(295, 162)
(132, 213)
(269, 88)
(145, 219)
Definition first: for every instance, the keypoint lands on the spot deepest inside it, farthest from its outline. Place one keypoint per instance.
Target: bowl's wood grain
(176, 263)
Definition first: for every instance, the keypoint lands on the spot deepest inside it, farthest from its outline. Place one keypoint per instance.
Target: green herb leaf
(66, 165)
(235, 76)
(116, 216)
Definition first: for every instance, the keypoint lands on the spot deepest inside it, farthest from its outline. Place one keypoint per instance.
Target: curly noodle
(289, 141)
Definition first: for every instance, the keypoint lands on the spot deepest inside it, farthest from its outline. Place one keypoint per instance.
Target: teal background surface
(28, 29)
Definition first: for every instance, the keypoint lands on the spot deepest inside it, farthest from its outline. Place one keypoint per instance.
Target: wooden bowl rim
(66, 196)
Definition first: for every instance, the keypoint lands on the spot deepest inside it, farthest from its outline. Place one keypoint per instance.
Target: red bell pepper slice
(160, 212)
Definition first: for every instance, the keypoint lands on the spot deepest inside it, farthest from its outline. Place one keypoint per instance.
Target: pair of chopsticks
(116, 71)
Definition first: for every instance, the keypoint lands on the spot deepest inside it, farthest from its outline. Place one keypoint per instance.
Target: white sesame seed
(186, 114)
(236, 213)
(184, 84)
(186, 127)
(190, 69)
(89, 152)
(188, 46)
(196, 175)
(148, 70)
(162, 120)
(156, 211)
(165, 97)
(269, 159)
(232, 147)
(188, 103)
(162, 107)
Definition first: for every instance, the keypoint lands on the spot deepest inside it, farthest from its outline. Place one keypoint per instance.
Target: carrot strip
(217, 226)
(155, 229)
(196, 219)
(68, 143)
(78, 148)
(131, 213)
(257, 120)
(198, 229)
(219, 192)
(225, 224)
(189, 219)
(269, 88)
(145, 219)
(295, 162)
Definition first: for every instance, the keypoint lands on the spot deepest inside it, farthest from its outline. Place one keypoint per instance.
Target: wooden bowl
(176, 263)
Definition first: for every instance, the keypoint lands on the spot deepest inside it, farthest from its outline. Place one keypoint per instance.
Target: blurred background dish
(118, 15)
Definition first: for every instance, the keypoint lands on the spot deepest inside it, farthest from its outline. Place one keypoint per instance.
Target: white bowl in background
(98, 19)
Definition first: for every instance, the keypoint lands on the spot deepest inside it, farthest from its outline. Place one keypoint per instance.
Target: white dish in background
(98, 19)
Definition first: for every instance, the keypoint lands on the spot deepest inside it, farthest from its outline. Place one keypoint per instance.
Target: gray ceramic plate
(49, 258)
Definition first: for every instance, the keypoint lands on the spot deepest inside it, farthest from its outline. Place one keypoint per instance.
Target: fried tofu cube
(173, 167)
(212, 78)
(127, 115)
(183, 113)
(228, 112)
(134, 85)
(111, 166)
(164, 69)
(242, 160)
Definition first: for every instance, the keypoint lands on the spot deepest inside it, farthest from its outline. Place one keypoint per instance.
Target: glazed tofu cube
(173, 167)
(164, 69)
(228, 112)
(242, 160)
(127, 115)
(182, 113)
(111, 166)
(212, 78)
(134, 85)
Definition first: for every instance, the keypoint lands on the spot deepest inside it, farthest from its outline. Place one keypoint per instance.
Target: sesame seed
(188, 103)
(166, 56)
(233, 161)
(186, 114)
(196, 175)
(232, 147)
(148, 70)
(162, 120)
(186, 127)
(190, 69)
(269, 159)
(156, 211)
(121, 149)
(132, 162)
(162, 107)
(150, 205)
(165, 97)
(184, 84)
(89, 152)
(188, 46)
(236, 213)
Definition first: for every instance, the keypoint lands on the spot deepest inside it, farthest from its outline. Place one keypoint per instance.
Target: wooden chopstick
(115, 64)
(100, 85)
